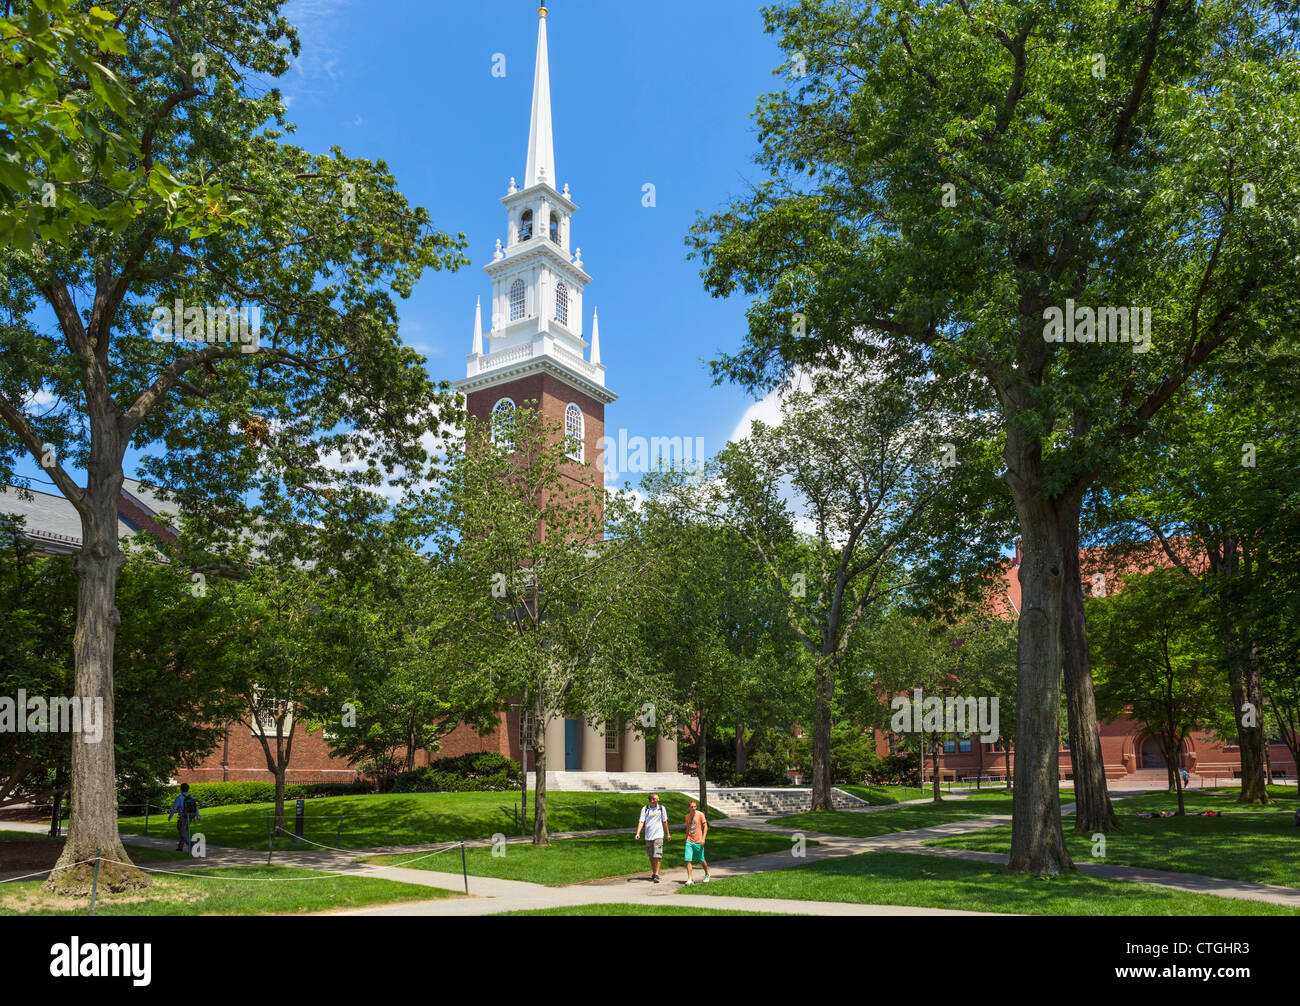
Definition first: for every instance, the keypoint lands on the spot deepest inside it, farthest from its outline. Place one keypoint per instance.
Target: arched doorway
(1152, 756)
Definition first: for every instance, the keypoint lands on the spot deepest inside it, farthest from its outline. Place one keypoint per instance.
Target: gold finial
(541, 11)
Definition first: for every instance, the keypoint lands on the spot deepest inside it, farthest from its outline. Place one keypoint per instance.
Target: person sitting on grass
(654, 819)
(188, 809)
(697, 830)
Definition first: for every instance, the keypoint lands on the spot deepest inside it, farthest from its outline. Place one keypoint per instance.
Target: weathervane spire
(541, 146)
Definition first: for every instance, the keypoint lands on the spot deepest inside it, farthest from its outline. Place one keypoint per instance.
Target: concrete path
(490, 895)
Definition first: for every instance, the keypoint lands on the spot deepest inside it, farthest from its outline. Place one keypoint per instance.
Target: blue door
(571, 745)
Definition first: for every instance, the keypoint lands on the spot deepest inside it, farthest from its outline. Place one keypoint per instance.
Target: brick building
(1127, 746)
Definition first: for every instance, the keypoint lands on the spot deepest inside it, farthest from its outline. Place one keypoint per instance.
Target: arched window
(573, 432)
(516, 300)
(555, 228)
(562, 304)
(501, 413)
(526, 225)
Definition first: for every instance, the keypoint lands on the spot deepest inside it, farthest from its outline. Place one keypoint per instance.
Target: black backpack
(189, 807)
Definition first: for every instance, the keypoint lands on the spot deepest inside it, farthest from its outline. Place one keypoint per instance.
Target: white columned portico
(593, 748)
(633, 748)
(666, 750)
(555, 742)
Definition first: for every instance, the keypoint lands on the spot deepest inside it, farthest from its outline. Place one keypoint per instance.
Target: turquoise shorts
(695, 852)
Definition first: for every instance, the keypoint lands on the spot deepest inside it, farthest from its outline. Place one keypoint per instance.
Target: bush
(853, 754)
(894, 770)
(761, 777)
(487, 772)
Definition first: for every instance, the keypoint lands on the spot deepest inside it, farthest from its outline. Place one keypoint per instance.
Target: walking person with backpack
(188, 809)
(654, 819)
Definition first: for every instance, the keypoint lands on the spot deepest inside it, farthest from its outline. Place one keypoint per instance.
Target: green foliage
(488, 772)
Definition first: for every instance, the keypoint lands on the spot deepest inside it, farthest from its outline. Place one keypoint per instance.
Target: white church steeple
(541, 145)
(537, 283)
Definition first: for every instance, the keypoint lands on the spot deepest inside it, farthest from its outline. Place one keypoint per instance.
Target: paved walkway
(490, 895)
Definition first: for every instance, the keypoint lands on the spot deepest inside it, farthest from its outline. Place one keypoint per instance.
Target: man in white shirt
(654, 819)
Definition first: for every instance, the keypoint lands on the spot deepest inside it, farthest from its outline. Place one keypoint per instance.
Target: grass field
(895, 819)
(376, 820)
(633, 910)
(879, 795)
(235, 890)
(897, 878)
(1257, 844)
(575, 860)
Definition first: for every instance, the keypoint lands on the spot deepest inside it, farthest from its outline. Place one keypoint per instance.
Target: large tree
(956, 177)
(842, 502)
(550, 598)
(121, 340)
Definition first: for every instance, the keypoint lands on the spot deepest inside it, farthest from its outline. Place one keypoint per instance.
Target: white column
(666, 750)
(555, 742)
(633, 748)
(593, 747)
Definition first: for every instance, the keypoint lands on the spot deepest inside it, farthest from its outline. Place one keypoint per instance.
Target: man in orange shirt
(697, 830)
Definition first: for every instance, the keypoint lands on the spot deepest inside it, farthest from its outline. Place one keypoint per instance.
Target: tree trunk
(92, 831)
(1178, 782)
(934, 760)
(279, 796)
(742, 752)
(1093, 811)
(56, 807)
(821, 767)
(702, 764)
(539, 783)
(1037, 841)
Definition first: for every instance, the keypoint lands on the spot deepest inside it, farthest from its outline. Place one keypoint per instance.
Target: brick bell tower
(535, 350)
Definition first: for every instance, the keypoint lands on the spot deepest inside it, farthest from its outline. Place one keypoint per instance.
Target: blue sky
(659, 93)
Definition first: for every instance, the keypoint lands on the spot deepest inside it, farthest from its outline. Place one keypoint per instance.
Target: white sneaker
(707, 878)
(689, 883)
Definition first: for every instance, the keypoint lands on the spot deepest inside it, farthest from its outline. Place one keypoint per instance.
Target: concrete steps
(760, 802)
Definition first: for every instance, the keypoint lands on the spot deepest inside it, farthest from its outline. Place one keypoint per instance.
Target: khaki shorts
(654, 848)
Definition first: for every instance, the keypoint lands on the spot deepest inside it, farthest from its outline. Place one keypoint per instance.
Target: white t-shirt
(654, 819)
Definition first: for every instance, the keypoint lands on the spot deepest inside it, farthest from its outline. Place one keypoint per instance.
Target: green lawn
(633, 910)
(232, 890)
(1246, 843)
(418, 818)
(141, 854)
(897, 878)
(574, 860)
(877, 795)
(895, 819)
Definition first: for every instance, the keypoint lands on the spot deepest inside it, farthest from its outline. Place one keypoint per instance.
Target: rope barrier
(42, 873)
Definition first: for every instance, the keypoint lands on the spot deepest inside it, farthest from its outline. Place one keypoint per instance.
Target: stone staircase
(759, 802)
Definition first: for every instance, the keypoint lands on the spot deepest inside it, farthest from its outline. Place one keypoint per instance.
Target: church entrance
(570, 745)
(1152, 756)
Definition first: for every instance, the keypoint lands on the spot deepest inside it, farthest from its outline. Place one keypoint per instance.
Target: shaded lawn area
(574, 860)
(26, 851)
(1257, 844)
(228, 890)
(880, 795)
(903, 818)
(373, 820)
(634, 910)
(899, 878)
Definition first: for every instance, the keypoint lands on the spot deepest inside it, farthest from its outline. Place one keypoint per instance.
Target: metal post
(270, 837)
(94, 884)
(338, 835)
(463, 868)
(595, 815)
(146, 817)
